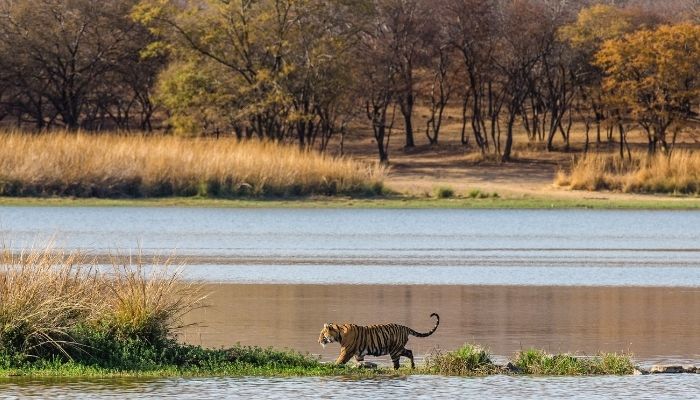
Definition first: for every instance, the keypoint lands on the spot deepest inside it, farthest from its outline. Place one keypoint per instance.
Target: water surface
(336, 246)
(412, 387)
(562, 280)
(652, 324)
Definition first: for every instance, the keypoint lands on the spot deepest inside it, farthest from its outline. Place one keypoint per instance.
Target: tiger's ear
(325, 326)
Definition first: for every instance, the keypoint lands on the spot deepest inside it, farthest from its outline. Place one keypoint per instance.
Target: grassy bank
(136, 166)
(140, 359)
(598, 202)
(62, 314)
(678, 173)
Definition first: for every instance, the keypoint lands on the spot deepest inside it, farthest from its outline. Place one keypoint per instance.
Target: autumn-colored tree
(585, 36)
(652, 77)
(275, 68)
(593, 26)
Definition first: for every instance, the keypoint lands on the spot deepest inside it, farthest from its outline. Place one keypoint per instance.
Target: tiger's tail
(418, 334)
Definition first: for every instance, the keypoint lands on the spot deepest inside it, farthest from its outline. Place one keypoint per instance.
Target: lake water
(562, 280)
(685, 386)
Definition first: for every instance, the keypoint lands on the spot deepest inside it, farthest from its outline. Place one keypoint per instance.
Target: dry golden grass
(660, 173)
(119, 165)
(42, 295)
(46, 296)
(148, 302)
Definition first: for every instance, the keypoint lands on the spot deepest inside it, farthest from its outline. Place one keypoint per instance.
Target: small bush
(539, 362)
(467, 360)
(478, 194)
(474, 193)
(444, 192)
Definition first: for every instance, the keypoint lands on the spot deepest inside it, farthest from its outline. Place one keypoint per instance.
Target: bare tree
(62, 51)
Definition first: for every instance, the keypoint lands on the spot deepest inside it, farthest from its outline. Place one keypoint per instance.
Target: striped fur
(373, 340)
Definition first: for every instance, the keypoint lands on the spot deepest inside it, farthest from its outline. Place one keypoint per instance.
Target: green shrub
(444, 192)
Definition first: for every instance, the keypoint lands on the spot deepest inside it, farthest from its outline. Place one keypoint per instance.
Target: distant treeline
(302, 70)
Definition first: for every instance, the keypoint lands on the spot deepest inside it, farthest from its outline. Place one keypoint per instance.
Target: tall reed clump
(539, 362)
(467, 360)
(121, 165)
(57, 305)
(43, 296)
(678, 173)
(147, 303)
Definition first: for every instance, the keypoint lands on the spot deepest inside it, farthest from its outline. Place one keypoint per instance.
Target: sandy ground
(421, 170)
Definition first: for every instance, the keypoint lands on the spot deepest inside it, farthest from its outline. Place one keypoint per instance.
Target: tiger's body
(373, 340)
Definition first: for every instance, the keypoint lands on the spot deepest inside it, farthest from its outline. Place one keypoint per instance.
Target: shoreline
(647, 202)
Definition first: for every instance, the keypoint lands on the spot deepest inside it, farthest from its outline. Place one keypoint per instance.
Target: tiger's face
(329, 334)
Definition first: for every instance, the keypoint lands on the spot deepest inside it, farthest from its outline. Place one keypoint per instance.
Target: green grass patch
(387, 202)
(467, 360)
(539, 362)
(105, 355)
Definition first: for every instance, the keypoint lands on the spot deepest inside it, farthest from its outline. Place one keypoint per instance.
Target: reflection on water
(413, 387)
(652, 323)
(529, 273)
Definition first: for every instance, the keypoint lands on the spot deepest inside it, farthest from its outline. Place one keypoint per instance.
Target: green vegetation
(467, 360)
(478, 194)
(539, 362)
(444, 192)
(112, 356)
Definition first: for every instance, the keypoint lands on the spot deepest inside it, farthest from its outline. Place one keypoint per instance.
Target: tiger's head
(329, 334)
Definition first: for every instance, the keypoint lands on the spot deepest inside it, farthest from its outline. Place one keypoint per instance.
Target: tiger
(373, 340)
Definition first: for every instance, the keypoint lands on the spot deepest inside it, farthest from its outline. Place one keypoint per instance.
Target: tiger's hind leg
(409, 354)
(395, 358)
(395, 361)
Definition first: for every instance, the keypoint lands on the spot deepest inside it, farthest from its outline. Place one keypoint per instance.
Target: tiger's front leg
(344, 356)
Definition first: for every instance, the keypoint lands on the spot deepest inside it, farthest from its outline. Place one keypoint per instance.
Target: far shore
(585, 200)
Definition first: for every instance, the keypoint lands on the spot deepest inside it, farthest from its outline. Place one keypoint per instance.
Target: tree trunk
(509, 139)
(407, 111)
(380, 133)
(621, 129)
